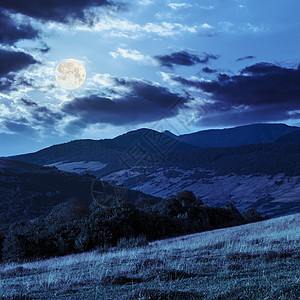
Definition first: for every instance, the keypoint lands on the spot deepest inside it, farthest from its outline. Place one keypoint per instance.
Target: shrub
(252, 215)
(39, 240)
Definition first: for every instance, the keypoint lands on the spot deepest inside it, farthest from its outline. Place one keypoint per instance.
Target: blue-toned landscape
(147, 226)
(149, 149)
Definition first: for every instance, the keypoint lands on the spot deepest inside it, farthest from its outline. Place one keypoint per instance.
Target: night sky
(174, 65)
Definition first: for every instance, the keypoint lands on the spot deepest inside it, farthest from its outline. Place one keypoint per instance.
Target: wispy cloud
(145, 2)
(115, 27)
(183, 5)
(246, 58)
(208, 70)
(180, 58)
(209, 7)
(250, 27)
(242, 28)
(132, 54)
(177, 6)
(27, 116)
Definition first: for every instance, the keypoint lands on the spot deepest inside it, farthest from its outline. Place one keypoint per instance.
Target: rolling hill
(28, 191)
(253, 261)
(261, 175)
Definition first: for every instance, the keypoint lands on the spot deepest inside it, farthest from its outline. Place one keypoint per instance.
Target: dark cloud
(5, 83)
(55, 10)
(39, 118)
(28, 103)
(183, 58)
(208, 70)
(266, 69)
(39, 122)
(262, 92)
(144, 102)
(10, 32)
(246, 57)
(12, 61)
(45, 48)
(19, 127)
(40, 114)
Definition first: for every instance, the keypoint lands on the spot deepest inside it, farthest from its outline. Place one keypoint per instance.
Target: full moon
(70, 74)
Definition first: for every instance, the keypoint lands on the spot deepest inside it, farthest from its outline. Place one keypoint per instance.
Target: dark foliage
(252, 215)
(3, 230)
(29, 191)
(104, 227)
(26, 240)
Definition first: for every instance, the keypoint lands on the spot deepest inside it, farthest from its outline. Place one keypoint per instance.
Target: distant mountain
(238, 136)
(113, 154)
(159, 164)
(133, 146)
(147, 138)
(147, 148)
(93, 150)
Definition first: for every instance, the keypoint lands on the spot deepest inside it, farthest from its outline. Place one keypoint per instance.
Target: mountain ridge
(237, 136)
(136, 159)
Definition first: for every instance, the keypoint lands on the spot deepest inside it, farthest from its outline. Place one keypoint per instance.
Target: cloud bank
(12, 61)
(10, 32)
(52, 10)
(262, 92)
(141, 102)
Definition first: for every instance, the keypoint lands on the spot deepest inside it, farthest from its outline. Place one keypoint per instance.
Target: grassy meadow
(254, 261)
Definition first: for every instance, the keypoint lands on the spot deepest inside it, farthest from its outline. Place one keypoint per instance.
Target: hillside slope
(272, 195)
(253, 261)
(28, 191)
(289, 138)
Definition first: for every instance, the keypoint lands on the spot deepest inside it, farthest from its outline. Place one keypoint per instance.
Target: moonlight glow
(70, 74)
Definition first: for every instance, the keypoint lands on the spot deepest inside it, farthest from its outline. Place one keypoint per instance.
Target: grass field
(253, 261)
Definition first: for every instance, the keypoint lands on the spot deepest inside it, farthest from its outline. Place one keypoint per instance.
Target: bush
(252, 215)
(42, 240)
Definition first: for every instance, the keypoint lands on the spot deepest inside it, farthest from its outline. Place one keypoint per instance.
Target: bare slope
(273, 195)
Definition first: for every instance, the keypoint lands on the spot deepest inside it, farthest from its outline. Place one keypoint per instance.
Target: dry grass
(253, 261)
